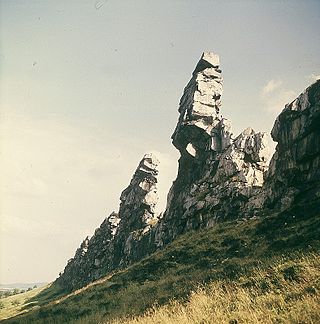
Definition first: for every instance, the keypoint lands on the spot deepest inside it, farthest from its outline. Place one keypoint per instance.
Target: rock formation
(199, 107)
(137, 213)
(294, 173)
(218, 174)
(115, 243)
(220, 177)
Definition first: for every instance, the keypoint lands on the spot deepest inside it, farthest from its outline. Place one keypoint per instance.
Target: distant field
(5, 287)
(20, 303)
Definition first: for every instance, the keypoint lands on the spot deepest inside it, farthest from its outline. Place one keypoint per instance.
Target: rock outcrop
(199, 107)
(120, 238)
(220, 177)
(294, 174)
(218, 174)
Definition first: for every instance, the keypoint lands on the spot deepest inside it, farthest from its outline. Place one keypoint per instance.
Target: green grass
(227, 254)
(20, 303)
(286, 292)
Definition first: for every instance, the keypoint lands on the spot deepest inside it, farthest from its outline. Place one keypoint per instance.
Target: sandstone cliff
(220, 176)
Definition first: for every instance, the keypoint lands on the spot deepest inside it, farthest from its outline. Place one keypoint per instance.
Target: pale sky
(87, 87)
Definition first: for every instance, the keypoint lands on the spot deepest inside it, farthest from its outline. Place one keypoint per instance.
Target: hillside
(221, 177)
(19, 303)
(270, 296)
(240, 232)
(275, 258)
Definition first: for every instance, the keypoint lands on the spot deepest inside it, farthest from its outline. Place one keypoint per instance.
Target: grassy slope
(227, 254)
(20, 303)
(286, 292)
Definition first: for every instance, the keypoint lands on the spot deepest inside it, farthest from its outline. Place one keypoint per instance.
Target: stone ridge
(220, 177)
(114, 243)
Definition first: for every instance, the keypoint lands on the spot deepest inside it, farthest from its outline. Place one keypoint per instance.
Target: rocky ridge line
(220, 177)
(116, 242)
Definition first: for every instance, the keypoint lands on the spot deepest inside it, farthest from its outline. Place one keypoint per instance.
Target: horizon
(88, 87)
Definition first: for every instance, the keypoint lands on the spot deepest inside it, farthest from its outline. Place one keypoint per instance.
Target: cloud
(271, 86)
(274, 96)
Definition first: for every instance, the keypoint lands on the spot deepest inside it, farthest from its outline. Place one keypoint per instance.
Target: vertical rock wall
(294, 174)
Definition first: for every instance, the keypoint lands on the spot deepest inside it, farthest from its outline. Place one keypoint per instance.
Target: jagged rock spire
(115, 243)
(199, 106)
(139, 199)
(218, 174)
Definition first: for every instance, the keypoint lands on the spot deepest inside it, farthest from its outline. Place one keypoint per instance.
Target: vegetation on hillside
(272, 261)
(15, 291)
(286, 292)
(19, 302)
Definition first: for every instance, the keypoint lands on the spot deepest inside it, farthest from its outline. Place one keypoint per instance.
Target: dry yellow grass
(286, 293)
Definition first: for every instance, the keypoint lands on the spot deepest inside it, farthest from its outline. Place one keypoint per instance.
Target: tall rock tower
(199, 107)
(199, 113)
(218, 173)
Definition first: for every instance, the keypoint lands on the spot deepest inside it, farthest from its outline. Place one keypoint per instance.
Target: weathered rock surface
(218, 174)
(220, 177)
(199, 105)
(294, 174)
(115, 243)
